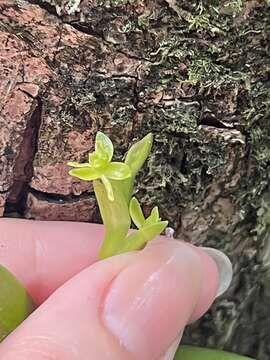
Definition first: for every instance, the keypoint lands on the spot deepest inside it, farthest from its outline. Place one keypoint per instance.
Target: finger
(43, 255)
(213, 260)
(130, 306)
(210, 279)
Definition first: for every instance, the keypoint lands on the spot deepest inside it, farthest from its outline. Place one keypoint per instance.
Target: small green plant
(113, 186)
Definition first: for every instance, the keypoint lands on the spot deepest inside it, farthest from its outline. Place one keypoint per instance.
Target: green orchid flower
(99, 166)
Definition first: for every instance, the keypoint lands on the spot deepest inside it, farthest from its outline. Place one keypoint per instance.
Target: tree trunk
(196, 75)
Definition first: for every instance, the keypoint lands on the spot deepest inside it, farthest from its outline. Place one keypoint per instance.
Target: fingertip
(209, 284)
(210, 280)
(154, 297)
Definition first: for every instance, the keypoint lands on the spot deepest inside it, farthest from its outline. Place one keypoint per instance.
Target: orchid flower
(99, 165)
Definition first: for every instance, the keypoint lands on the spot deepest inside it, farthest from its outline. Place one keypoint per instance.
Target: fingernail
(173, 348)
(153, 298)
(224, 267)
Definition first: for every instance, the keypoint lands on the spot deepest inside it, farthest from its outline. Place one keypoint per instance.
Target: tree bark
(194, 73)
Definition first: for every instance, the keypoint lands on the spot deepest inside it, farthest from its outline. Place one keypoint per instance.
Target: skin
(130, 306)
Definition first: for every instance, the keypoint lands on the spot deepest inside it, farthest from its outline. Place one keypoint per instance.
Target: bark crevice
(23, 168)
(57, 198)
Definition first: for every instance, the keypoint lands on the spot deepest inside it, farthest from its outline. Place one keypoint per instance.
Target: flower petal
(87, 173)
(103, 146)
(77, 164)
(108, 187)
(117, 171)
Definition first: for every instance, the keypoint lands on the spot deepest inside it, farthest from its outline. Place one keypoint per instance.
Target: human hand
(130, 306)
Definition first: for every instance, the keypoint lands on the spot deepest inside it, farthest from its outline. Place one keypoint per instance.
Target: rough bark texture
(196, 74)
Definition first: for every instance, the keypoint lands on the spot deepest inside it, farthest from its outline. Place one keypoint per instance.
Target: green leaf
(78, 165)
(139, 238)
(87, 173)
(186, 352)
(153, 218)
(135, 159)
(115, 217)
(136, 213)
(103, 145)
(138, 153)
(108, 186)
(15, 303)
(117, 171)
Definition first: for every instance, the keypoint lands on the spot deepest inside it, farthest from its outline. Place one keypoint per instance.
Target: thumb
(130, 306)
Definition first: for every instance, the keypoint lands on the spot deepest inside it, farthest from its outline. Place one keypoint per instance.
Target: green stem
(115, 217)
